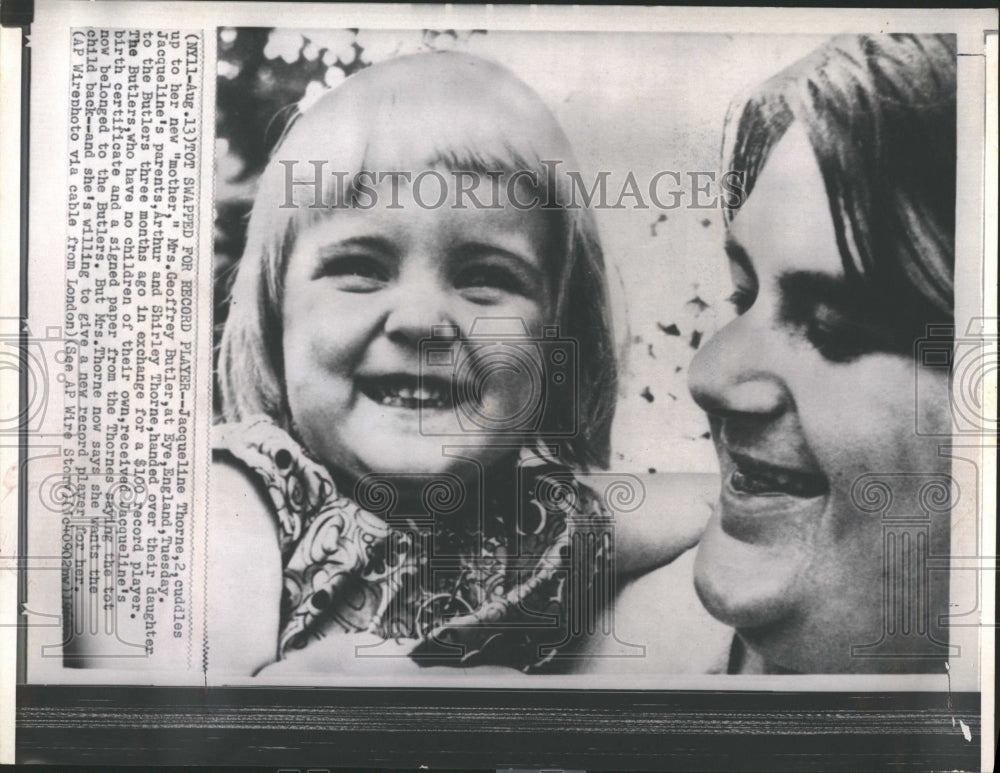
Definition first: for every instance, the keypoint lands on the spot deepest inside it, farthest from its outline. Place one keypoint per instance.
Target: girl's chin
(417, 459)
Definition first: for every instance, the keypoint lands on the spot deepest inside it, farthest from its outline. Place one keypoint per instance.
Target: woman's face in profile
(806, 390)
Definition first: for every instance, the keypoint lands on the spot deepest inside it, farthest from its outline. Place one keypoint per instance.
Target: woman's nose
(733, 373)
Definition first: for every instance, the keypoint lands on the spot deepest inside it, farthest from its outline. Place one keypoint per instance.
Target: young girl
(418, 356)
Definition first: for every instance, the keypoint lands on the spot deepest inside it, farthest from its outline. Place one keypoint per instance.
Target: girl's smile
(364, 287)
(408, 391)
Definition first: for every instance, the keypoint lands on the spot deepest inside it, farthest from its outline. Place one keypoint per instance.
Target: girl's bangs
(439, 111)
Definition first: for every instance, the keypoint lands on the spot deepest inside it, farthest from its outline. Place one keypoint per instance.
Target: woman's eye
(355, 273)
(837, 338)
(488, 282)
(742, 299)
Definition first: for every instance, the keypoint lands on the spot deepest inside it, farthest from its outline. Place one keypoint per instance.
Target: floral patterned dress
(519, 585)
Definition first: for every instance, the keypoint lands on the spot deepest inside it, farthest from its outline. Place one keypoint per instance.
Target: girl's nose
(418, 310)
(734, 374)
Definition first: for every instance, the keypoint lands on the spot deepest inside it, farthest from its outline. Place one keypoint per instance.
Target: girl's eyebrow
(374, 243)
(470, 250)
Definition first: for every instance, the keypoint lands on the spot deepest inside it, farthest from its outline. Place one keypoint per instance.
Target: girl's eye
(355, 273)
(486, 282)
(742, 299)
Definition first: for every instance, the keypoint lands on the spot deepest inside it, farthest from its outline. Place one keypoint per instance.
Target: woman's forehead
(785, 224)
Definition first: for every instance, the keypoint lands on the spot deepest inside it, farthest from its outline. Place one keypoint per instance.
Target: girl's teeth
(405, 397)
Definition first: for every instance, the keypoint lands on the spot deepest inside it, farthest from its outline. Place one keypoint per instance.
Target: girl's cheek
(517, 313)
(534, 314)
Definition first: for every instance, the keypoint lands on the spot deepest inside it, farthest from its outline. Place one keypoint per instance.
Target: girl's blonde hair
(425, 110)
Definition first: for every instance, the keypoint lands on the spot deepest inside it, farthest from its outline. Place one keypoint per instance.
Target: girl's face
(805, 395)
(363, 288)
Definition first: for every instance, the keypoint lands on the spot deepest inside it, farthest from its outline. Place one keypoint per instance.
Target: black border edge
(21, 13)
(17, 13)
(499, 729)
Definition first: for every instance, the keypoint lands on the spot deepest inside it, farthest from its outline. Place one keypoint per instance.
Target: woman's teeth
(758, 482)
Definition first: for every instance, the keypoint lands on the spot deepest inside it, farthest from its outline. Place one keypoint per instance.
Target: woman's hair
(442, 109)
(879, 112)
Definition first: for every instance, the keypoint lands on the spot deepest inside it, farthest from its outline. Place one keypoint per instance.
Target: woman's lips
(760, 478)
(759, 496)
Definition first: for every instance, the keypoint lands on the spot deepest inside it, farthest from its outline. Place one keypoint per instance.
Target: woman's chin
(743, 584)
